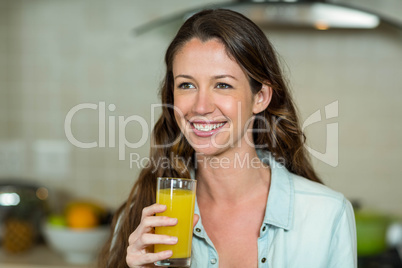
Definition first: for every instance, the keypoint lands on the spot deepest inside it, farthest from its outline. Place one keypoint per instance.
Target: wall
(55, 55)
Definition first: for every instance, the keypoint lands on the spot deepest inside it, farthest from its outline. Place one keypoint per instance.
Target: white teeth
(207, 127)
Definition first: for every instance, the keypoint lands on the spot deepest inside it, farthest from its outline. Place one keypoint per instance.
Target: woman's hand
(141, 241)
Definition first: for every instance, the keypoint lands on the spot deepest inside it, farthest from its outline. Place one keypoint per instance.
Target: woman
(229, 121)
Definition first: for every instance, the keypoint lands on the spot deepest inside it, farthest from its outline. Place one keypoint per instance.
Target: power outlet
(52, 158)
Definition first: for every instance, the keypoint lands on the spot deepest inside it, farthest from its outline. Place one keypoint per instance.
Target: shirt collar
(198, 228)
(279, 208)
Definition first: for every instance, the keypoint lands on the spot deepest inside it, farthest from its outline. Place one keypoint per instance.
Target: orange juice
(180, 205)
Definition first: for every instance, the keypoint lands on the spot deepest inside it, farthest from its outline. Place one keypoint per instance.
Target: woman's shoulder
(320, 202)
(304, 188)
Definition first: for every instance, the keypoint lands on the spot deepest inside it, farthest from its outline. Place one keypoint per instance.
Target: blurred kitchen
(78, 80)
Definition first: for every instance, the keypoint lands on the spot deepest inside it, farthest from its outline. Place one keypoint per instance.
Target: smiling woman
(216, 105)
(229, 122)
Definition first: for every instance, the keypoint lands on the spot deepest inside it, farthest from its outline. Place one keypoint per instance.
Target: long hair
(276, 129)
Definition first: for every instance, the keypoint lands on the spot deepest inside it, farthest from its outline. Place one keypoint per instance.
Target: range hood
(314, 14)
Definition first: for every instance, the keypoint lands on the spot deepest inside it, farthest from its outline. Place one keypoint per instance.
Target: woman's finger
(157, 221)
(147, 226)
(195, 219)
(140, 235)
(147, 240)
(146, 260)
(152, 209)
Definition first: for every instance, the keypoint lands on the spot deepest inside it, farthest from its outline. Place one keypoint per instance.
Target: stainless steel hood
(307, 14)
(318, 14)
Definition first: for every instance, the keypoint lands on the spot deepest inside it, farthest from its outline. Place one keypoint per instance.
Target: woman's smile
(206, 129)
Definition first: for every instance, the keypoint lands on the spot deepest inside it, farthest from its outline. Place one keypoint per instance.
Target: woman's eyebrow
(224, 76)
(184, 76)
(214, 77)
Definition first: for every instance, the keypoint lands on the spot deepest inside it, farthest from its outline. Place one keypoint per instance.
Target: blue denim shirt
(306, 225)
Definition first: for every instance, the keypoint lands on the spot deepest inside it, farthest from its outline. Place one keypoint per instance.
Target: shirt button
(198, 230)
(263, 260)
(213, 261)
(264, 228)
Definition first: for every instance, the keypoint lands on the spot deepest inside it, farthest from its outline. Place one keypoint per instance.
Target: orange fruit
(81, 216)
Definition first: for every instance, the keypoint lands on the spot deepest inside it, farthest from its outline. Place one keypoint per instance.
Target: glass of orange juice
(179, 197)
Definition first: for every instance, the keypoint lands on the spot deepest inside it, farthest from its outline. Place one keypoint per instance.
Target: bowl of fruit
(79, 233)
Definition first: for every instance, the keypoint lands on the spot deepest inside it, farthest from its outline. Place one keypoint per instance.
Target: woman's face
(214, 105)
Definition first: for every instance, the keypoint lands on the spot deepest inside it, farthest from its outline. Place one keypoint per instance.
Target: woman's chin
(209, 150)
(210, 145)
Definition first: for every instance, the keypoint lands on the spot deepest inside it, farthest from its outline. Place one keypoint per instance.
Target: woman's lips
(206, 129)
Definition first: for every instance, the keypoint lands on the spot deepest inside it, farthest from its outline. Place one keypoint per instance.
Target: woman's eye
(223, 86)
(186, 86)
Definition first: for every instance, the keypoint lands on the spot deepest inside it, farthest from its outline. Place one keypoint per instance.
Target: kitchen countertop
(39, 256)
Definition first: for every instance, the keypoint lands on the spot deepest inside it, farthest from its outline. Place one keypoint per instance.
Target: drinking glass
(178, 195)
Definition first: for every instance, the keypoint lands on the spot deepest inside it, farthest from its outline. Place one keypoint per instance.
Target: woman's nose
(203, 103)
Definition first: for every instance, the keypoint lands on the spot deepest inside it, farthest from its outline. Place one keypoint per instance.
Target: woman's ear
(262, 99)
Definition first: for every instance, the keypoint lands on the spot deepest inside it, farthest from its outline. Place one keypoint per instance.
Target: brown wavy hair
(281, 135)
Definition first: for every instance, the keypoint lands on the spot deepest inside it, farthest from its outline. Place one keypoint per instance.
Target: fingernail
(168, 253)
(173, 239)
(174, 220)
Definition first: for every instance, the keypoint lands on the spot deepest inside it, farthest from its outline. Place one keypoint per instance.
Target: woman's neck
(231, 177)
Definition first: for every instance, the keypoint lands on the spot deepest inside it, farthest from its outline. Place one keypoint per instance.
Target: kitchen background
(55, 55)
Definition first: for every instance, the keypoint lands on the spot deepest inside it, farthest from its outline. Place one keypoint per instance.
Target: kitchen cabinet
(38, 257)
